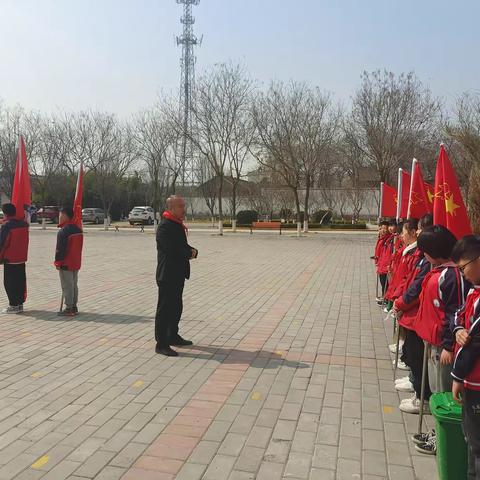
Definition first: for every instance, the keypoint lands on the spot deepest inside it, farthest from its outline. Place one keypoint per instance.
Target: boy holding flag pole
(68, 253)
(14, 236)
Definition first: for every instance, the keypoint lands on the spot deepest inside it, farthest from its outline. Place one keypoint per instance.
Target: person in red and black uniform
(383, 254)
(68, 260)
(13, 254)
(174, 255)
(466, 367)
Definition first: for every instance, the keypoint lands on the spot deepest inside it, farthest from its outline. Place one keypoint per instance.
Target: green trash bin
(452, 461)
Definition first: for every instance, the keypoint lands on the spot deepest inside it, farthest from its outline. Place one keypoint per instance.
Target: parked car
(94, 215)
(143, 215)
(49, 212)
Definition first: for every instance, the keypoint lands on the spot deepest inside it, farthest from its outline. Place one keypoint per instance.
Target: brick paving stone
(289, 377)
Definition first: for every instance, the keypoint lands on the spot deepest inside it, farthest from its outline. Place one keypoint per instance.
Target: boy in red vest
(466, 368)
(383, 256)
(68, 260)
(443, 293)
(13, 254)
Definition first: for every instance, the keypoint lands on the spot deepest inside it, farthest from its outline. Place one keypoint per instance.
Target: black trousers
(471, 430)
(169, 311)
(412, 355)
(383, 282)
(15, 282)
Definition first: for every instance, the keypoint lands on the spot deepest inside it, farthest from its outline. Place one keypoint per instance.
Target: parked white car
(143, 215)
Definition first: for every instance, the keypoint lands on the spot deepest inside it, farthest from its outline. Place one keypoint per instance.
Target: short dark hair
(467, 248)
(68, 211)
(9, 209)
(426, 221)
(384, 222)
(411, 224)
(437, 241)
(392, 223)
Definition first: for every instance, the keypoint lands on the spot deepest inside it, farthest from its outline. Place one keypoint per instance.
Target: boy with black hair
(443, 293)
(68, 260)
(466, 368)
(13, 254)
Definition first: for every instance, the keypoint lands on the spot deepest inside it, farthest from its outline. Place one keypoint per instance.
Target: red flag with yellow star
(448, 206)
(388, 202)
(418, 203)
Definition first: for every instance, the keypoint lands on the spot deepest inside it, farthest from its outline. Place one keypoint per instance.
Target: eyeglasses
(462, 268)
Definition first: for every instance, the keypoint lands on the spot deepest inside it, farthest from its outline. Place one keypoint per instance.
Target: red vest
(468, 319)
(430, 320)
(73, 256)
(396, 270)
(385, 254)
(15, 249)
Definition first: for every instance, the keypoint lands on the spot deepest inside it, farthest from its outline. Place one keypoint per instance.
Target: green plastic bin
(452, 461)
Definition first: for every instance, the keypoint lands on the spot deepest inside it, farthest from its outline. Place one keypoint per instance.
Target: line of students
(433, 287)
(14, 241)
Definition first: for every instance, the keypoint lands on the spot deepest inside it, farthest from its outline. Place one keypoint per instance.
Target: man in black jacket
(174, 255)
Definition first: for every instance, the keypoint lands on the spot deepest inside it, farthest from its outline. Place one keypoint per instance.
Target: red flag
(21, 193)
(388, 201)
(448, 206)
(418, 204)
(77, 203)
(430, 189)
(404, 181)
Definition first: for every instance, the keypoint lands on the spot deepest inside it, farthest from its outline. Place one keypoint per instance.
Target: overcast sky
(118, 55)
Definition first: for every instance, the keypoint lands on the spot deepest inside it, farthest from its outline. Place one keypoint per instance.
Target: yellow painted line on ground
(36, 374)
(26, 334)
(138, 384)
(41, 462)
(387, 409)
(278, 352)
(103, 340)
(256, 396)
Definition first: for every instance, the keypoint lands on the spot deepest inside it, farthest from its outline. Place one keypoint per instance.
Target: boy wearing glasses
(443, 293)
(466, 368)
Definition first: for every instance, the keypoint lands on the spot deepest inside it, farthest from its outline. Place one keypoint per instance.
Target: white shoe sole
(404, 388)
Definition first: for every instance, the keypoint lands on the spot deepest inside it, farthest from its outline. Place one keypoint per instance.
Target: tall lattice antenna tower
(188, 40)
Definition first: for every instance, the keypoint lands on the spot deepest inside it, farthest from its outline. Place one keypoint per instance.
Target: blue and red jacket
(14, 241)
(443, 293)
(68, 254)
(408, 291)
(466, 367)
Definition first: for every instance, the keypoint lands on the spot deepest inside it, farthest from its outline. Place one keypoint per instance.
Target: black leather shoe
(167, 351)
(180, 342)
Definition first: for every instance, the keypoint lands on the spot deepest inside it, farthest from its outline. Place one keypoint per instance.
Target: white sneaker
(414, 407)
(402, 380)
(393, 348)
(404, 387)
(401, 365)
(13, 310)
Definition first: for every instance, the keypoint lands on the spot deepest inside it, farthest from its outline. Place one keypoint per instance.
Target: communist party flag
(448, 207)
(418, 203)
(77, 203)
(404, 181)
(21, 192)
(388, 201)
(430, 189)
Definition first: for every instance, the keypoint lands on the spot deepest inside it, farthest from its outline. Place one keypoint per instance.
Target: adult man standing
(13, 254)
(174, 255)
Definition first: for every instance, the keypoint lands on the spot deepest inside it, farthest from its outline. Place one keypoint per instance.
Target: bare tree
(220, 103)
(465, 132)
(391, 116)
(295, 125)
(207, 186)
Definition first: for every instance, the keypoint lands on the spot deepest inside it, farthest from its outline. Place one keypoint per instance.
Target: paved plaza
(290, 375)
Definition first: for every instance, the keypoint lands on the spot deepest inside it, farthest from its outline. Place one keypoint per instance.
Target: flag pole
(426, 352)
(380, 205)
(399, 193)
(414, 165)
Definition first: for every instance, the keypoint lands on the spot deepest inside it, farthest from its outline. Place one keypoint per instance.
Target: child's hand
(458, 390)
(446, 357)
(462, 337)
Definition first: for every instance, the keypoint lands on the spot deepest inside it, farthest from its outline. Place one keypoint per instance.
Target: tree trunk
(299, 212)
(474, 198)
(307, 198)
(234, 207)
(220, 205)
